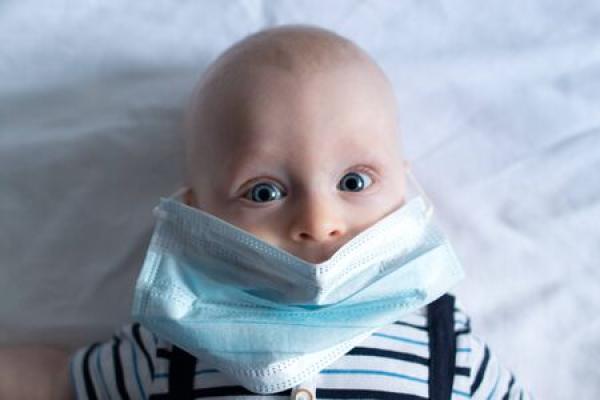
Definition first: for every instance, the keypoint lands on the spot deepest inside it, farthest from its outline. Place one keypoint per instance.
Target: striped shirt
(392, 363)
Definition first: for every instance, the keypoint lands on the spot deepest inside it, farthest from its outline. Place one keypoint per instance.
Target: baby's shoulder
(478, 373)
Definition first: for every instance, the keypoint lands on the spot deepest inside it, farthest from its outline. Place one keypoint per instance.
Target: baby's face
(303, 162)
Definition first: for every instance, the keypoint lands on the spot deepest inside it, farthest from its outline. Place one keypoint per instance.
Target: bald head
(292, 135)
(229, 83)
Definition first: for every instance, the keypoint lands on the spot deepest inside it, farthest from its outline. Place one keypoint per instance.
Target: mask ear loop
(175, 195)
(426, 199)
(179, 192)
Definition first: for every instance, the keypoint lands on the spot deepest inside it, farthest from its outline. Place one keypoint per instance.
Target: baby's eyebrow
(247, 171)
(248, 164)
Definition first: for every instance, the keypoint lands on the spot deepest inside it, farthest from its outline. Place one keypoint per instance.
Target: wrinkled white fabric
(500, 113)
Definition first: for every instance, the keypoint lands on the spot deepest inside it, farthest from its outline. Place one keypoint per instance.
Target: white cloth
(500, 107)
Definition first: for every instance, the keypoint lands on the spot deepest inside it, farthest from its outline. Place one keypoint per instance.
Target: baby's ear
(189, 198)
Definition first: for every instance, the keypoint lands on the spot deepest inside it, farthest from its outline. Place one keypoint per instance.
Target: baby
(292, 136)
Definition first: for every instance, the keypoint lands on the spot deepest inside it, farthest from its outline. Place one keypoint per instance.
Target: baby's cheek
(264, 235)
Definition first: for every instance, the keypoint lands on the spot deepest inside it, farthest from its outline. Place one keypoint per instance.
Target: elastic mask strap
(179, 192)
(428, 203)
(175, 195)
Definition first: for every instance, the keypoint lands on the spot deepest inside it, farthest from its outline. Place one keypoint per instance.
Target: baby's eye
(354, 182)
(265, 192)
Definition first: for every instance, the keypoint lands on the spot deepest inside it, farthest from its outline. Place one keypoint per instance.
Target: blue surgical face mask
(269, 319)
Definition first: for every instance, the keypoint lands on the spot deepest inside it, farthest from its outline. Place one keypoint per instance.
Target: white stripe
(393, 341)
(95, 373)
(77, 373)
(372, 382)
(128, 370)
(462, 383)
(463, 358)
(406, 331)
(418, 318)
(418, 371)
(108, 369)
(148, 340)
(142, 362)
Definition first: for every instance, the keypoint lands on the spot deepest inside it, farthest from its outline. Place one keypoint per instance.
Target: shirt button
(303, 394)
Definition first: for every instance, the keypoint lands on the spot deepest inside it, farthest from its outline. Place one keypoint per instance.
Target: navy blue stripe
(481, 371)
(119, 369)
(364, 394)
(466, 329)
(419, 327)
(138, 338)
(510, 385)
(234, 391)
(163, 353)
(87, 378)
(397, 355)
(181, 374)
(442, 347)
(369, 351)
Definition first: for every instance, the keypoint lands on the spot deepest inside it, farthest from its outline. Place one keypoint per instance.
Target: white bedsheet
(500, 104)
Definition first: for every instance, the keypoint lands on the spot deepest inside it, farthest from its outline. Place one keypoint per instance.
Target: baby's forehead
(229, 97)
(271, 122)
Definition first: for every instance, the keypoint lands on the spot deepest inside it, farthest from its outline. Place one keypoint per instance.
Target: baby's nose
(318, 223)
(319, 234)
